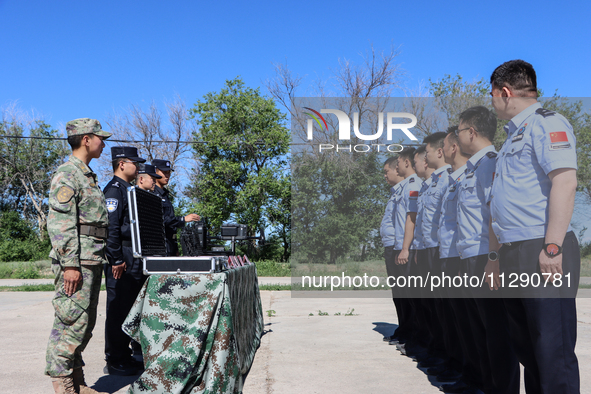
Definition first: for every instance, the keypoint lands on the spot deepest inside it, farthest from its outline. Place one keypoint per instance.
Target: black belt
(94, 231)
(126, 243)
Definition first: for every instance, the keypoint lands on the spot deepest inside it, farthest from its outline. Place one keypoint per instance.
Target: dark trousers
(121, 294)
(389, 256)
(451, 311)
(544, 329)
(407, 303)
(487, 318)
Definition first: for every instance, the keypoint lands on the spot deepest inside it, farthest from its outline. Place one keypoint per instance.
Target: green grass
(349, 267)
(47, 287)
(274, 287)
(26, 270)
(586, 266)
(41, 287)
(272, 268)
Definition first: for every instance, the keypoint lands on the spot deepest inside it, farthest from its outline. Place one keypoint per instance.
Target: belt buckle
(507, 243)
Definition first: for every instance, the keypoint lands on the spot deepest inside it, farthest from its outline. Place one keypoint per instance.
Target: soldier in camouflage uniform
(77, 226)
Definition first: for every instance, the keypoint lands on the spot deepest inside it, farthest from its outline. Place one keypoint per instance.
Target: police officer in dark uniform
(123, 275)
(171, 222)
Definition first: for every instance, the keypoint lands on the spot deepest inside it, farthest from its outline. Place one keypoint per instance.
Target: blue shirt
(417, 242)
(473, 199)
(538, 142)
(448, 226)
(405, 202)
(387, 226)
(431, 206)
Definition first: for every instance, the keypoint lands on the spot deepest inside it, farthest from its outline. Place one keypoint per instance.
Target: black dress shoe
(457, 387)
(449, 376)
(391, 338)
(125, 368)
(430, 362)
(437, 369)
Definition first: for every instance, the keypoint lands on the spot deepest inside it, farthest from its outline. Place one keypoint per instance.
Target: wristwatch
(493, 255)
(552, 249)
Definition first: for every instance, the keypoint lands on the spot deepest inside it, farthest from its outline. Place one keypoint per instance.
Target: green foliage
(26, 166)
(320, 313)
(338, 201)
(270, 313)
(18, 241)
(272, 268)
(243, 164)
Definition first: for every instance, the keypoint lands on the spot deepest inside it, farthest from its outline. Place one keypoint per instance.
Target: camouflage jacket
(75, 198)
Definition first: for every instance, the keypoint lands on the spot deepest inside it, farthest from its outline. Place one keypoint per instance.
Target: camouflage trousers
(75, 317)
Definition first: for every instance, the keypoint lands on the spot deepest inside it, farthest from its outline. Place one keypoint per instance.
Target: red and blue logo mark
(316, 118)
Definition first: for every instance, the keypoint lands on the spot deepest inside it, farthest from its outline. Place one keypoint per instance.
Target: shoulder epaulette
(449, 170)
(491, 155)
(544, 112)
(116, 184)
(411, 180)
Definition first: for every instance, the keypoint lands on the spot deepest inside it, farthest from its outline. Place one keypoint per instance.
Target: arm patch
(65, 194)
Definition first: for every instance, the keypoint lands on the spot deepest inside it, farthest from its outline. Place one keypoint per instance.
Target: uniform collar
(479, 155)
(440, 170)
(121, 181)
(397, 187)
(161, 191)
(518, 119)
(456, 174)
(80, 164)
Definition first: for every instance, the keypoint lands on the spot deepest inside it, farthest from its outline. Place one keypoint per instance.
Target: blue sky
(70, 59)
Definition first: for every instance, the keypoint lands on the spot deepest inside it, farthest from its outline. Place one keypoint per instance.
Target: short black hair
(518, 75)
(451, 131)
(408, 154)
(76, 140)
(483, 121)
(391, 160)
(421, 149)
(435, 139)
(117, 161)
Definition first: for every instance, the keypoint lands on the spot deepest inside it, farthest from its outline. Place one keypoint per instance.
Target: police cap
(162, 165)
(86, 126)
(128, 152)
(148, 169)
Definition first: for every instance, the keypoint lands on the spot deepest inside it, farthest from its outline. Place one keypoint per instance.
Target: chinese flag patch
(414, 193)
(558, 136)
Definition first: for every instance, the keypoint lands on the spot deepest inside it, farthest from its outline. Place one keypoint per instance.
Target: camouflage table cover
(199, 333)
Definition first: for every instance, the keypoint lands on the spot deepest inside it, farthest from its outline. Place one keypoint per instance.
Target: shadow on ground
(113, 383)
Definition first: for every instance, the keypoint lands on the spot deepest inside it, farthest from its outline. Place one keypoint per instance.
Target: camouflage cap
(86, 126)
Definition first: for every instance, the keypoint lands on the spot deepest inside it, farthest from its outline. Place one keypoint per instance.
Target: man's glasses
(458, 130)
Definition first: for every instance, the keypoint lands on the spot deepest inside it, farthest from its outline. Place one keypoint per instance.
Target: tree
(339, 198)
(336, 204)
(26, 164)
(242, 173)
(155, 138)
